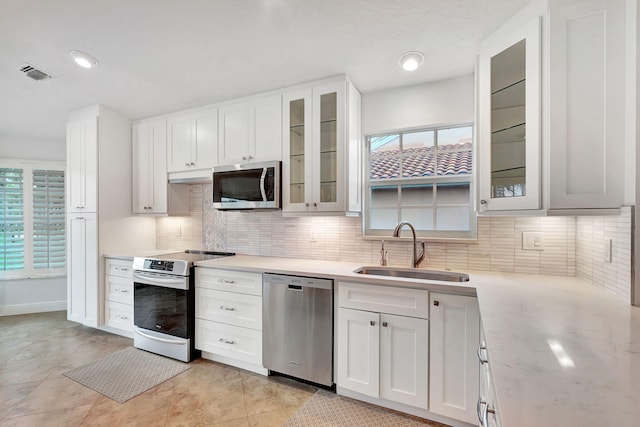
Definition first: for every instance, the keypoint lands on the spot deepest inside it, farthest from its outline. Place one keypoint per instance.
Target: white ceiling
(159, 56)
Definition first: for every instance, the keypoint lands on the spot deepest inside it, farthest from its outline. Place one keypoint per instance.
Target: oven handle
(175, 283)
(137, 331)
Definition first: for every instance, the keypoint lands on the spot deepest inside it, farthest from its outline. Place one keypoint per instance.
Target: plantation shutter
(48, 219)
(11, 219)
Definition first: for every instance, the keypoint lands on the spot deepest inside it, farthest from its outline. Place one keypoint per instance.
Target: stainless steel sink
(414, 273)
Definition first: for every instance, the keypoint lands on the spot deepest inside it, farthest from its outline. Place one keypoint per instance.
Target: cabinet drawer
(119, 267)
(229, 307)
(226, 280)
(119, 315)
(384, 299)
(231, 341)
(119, 289)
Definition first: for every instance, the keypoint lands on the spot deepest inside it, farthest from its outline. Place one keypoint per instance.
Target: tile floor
(36, 349)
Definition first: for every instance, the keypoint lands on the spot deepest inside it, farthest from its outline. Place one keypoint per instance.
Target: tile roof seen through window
(452, 159)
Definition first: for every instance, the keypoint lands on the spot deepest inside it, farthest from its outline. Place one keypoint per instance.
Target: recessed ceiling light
(83, 59)
(410, 61)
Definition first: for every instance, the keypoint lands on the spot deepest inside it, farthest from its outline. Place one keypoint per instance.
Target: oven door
(161, 303)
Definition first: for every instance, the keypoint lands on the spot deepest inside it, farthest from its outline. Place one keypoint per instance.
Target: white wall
(32, 149)
(32, 295)
(444, 102)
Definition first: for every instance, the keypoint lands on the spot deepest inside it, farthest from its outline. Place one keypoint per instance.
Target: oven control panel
(158, 264)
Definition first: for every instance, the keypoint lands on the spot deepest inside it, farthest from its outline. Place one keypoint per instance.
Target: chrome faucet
(415, 260)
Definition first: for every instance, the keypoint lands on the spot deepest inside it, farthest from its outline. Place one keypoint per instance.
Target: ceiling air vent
(34, 73)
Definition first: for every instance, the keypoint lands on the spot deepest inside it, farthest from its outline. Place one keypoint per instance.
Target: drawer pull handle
(480, 358)
(118, 316)
(230, 282)
(222, 307)
(222, 340)
(372, 323)
(122, 291)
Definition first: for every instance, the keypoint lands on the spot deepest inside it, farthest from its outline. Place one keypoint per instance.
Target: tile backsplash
(573, 246)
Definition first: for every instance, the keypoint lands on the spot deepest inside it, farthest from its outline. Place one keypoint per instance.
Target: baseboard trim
(39, 307)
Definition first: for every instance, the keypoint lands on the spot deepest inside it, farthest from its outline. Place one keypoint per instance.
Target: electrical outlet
(179, 231)
(532, 241)
(312, 236)
(607, 245)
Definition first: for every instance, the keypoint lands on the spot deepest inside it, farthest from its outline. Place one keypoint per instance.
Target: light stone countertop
(523, 317)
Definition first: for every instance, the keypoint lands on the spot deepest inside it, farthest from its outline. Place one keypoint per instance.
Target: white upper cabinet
(509, 111)
(587, 105)
(192, 141)
(82, 165)
(151, 192)
(251, 131)
(322, 149)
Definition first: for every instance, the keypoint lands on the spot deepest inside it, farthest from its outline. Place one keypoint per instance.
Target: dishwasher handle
(297, 283)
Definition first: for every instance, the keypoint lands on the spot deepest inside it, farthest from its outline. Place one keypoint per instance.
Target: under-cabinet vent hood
(200, 176)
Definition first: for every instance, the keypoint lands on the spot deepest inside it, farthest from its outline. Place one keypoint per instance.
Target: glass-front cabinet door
(509, 120)
(314, 131)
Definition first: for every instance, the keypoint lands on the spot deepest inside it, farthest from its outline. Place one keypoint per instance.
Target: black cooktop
(192, 255)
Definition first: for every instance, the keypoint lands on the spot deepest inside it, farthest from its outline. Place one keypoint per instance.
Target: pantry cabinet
(383, 355)
(453, 365)
(251, 131)
(192, 143)
(151, 192)
(82, 164)
(82, 269)
(322, 149)
(98, 205)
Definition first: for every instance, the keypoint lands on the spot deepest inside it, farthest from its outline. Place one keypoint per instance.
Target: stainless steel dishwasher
(297, 327)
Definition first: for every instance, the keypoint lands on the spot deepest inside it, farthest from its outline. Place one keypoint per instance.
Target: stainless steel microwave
(247, 186)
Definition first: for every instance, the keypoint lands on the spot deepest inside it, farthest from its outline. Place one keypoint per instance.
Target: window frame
(426, 235)
(28, 167)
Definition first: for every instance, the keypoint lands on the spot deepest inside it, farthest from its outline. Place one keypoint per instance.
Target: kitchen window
(32, 219)
(422, 176)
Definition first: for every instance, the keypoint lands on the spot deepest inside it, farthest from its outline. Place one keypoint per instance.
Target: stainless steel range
(164, 303)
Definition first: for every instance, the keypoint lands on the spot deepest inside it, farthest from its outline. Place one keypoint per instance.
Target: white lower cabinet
(82, 269)
(453, 362)
(118, 287)
(486, 407)
(229, 317)
(382, 355)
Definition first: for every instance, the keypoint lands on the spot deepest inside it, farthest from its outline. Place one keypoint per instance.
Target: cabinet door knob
(250, 157)
(192, 164)
(315, 204)
(306, 204)
(187, 164)
(436, 303)
(244, 157)
(384, 324)
(483, 202)
(372, 323)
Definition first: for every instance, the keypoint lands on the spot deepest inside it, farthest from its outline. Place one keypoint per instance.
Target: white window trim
(470, 236)
(28, 166)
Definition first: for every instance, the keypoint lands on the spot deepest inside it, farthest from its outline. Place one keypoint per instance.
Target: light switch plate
(532, 241)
